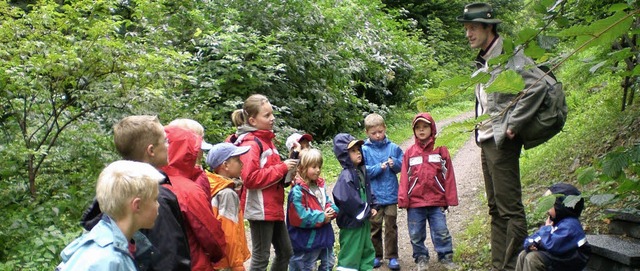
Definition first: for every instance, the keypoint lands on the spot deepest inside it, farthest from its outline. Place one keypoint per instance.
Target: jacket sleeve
(348, 199)
(558, 240)
(373, 167)
(525, 109)
(206, 228)
(403, 188)
(450, 179)
(397, 156)
(256, 177)
(331, 204)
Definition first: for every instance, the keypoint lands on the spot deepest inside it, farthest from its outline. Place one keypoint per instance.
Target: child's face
(422, 130)
(552, 212)
(264, 119)
(159, 155)
(377, 133)
(148, 212)
(355, 155)
(233, 167)
(313, 172)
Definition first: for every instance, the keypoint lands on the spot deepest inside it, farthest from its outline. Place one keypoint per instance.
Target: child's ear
(149, 150)
(252, 121)
(135, 205)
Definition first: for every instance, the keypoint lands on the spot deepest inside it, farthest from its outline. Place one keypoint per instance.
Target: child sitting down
(561, 243)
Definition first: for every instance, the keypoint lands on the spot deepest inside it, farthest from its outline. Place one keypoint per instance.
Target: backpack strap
(259, 144)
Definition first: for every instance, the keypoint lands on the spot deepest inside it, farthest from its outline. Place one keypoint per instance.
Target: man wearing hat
(498, 136)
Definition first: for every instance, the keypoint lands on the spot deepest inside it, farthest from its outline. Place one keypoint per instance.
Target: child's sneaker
(393, 264)
(377, 262)
(423, 262)
(447, 262)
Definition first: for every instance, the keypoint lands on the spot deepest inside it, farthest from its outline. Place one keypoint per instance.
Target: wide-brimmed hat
(478, 13)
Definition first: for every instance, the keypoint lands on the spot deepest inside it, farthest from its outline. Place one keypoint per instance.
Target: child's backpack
(550, 116)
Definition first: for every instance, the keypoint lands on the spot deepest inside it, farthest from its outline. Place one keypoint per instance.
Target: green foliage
(66, 63)
(546, 202)
(508, 81)
(617, 172)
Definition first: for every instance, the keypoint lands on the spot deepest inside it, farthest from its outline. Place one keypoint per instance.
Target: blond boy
(127, 192)
(142, 138)
(383, 160)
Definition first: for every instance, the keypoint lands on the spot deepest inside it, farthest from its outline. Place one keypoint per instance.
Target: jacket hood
(299, 181)
(184, 147)
(340, 143)
(219, 182)
(249, 133)
(377, 144)
(563, 211)
(432, 139)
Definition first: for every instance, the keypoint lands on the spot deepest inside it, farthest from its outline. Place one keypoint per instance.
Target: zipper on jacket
(439, 184)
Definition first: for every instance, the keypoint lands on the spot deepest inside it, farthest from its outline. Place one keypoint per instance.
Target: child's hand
(291, 163)
(548, 222)
(329, 211)
(533, 247)
(390, 162)
(373, 212)
(383, 165)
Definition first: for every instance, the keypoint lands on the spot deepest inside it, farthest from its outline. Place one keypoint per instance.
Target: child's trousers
(356, 249)
(530, 261)
(388, 215)
(303, 261)
(417, 221)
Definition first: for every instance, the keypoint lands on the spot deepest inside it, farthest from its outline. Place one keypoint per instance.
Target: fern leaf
(586, 175)
(614, 162)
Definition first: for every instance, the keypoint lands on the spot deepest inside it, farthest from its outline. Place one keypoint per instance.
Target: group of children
(158, 209)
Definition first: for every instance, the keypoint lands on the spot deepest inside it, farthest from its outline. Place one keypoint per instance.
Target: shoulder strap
(259, 144)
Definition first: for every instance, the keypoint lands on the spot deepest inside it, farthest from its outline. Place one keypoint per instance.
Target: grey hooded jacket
(495, 104)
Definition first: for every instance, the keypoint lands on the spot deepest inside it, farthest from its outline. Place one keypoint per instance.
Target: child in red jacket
(427, 189)
(263, 173)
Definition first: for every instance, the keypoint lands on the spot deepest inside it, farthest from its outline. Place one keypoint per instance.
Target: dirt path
(469, 182)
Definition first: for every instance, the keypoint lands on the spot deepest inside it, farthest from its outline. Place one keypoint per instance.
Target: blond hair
(250, 108)
(122, 181)
(133, 134)
(309, 158)
(373, 120)
(188, 124)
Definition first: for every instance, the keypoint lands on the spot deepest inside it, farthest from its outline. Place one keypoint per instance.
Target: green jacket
(494, 104)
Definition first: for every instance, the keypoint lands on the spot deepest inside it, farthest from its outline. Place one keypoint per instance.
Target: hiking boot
(393, 264)
(377, 262)
(423, 262)
(447, 262)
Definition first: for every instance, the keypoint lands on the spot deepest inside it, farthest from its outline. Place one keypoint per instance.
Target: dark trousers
(501, 169)
(387, 214)
(263, 234)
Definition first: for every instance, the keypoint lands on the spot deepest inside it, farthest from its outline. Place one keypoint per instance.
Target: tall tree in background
(65, 64)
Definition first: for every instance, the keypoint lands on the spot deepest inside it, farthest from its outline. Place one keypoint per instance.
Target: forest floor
(470, 184)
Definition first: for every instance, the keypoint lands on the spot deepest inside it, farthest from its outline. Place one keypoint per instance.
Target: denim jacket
(104, 248)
